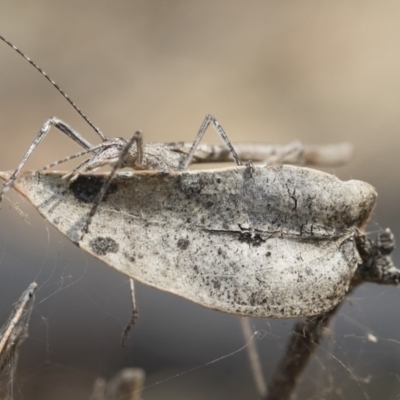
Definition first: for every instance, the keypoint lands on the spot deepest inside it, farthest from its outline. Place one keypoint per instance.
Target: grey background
(270, 71)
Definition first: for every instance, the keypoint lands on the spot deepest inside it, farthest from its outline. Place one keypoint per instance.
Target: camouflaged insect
(256, 241)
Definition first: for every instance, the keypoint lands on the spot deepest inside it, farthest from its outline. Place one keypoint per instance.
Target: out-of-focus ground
(271, 71)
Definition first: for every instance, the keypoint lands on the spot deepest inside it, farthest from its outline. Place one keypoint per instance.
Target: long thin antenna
(79, 111)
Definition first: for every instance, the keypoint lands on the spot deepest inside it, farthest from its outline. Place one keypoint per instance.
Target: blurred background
(270, 71)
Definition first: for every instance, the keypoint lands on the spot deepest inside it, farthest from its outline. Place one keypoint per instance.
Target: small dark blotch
(183, 244)
(87, 187)
(216, 284)
(245, 237)
(103, 245)
(191, 185)
(268, 254)
(248, 237)
(163, 174)
(130, 257)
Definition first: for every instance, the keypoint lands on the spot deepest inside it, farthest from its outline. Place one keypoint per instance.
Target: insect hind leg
(210, 119)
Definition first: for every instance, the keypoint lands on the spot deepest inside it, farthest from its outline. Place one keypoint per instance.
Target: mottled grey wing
(251, 241)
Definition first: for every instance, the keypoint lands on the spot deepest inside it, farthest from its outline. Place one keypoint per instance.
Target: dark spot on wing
(131, 257)
(103, 245)
(251, 238)
(86, 188)
(163, 174)
(190, 184)
(183, 244)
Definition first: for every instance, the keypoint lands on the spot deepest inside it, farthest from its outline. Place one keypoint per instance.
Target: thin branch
(254, 357)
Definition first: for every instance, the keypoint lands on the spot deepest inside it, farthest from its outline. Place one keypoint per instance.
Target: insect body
(248, 240)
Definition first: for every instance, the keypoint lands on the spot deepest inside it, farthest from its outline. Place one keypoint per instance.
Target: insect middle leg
(136, 138)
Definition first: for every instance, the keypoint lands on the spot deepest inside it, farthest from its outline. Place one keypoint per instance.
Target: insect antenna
(78, 110)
